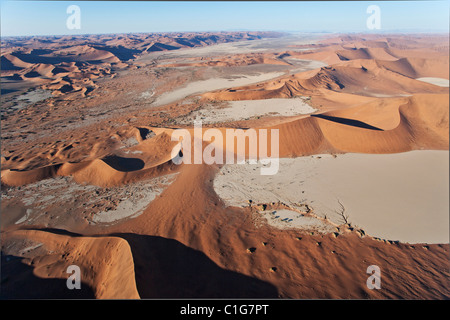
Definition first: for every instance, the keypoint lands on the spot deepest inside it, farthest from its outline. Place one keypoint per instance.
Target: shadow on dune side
(166, 268)
(124, 164)
(124, 54)
(348, 122)
(18, 281)
(37, 58)
(6, 91)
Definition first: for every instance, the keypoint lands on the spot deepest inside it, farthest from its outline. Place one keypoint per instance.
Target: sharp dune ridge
(356, 76)
(111, 273)
(101, 131)
(329, 133)
(107, 171)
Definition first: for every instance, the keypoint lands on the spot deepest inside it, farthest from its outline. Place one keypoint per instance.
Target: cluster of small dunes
(71, 64)
(362, 68)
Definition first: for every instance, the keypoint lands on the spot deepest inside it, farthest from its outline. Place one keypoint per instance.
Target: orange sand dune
(113, 171)
(328, 56)
(381, 43)
(418, 128)
(366, 53)
(419, 67)
(301, 261)
(11, 62)
(106, 264)
(355, 77)
(44, 69)
(149, 159)
(382, 113)
(18, 178)
(387, 125)
(380, 47)
(87, 53)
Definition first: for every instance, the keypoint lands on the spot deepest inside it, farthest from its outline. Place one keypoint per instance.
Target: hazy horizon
(41, 18)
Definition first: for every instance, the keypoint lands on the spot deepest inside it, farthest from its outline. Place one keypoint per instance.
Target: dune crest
(109, 260)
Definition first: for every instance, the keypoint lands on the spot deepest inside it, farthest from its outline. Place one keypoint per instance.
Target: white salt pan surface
(403, 196)
(244, 109)
(135, 205)
(436, 81)
(202, 86)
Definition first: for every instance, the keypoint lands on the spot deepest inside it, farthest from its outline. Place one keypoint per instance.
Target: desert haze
(89, 178)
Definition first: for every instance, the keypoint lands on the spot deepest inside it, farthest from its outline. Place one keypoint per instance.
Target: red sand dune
(355, 76)
(106, 264)
(187, 242)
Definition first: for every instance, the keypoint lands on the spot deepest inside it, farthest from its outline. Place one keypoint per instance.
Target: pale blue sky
(49, 17)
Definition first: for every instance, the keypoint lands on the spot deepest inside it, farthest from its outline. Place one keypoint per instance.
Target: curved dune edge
(18, 178)
(353, 75)
(418, 128)
(152, 158)
(414, 125)
(336, 131)
(106, 263)
(95, 172)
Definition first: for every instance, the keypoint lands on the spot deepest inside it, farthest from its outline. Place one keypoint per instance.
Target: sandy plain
(386, 195)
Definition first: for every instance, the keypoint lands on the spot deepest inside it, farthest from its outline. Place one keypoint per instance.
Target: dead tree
(342, 213)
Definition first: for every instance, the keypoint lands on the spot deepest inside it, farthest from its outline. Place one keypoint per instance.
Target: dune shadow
(348, 122)
(124, 54)
(41, 51)
(19, 282)
(88, 90)
(146, 133)
(58, 70)
(158, 46)
(124, 164)
(6, 91)
(6, 65)
(165, 268)
(32, 74)
(36, 58)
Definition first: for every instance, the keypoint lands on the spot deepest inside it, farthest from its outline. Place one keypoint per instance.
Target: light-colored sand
(134, 205)
(211, 85)
(31, 97)
(289, 219)
(304, 65)
(124, 202)
(394, 196)
(238, 47)
(245, 109)
(109, 260)
(436, 81)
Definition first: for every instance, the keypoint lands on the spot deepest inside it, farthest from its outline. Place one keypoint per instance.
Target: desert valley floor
(89, 179)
